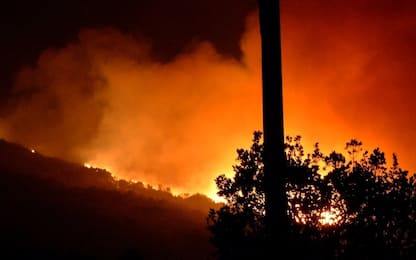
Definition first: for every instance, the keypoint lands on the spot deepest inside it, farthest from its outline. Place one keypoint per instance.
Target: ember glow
(330, 217)
(102, 99)
(326, 217)
(87, 165)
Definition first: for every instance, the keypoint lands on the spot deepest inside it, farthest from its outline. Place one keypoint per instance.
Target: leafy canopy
(360, 208)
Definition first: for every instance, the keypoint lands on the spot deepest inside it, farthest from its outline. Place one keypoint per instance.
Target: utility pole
(276, 204)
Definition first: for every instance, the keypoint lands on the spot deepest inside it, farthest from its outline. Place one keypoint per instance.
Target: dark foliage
(355, 208)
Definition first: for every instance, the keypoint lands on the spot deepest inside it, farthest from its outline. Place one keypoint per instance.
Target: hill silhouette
(56, 209)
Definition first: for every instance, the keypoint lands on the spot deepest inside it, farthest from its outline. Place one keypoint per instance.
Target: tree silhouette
(360, 209)
(238, 227)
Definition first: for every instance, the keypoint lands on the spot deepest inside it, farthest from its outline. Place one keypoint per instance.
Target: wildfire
(87, 165)
(214, 196)
(330, 217)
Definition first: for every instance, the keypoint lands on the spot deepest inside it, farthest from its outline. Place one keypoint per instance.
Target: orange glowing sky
(348, 72)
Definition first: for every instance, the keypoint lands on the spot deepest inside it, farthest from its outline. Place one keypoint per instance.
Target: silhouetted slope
(51, 208)
(19, 160)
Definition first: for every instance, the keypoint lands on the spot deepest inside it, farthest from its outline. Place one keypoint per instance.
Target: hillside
(52, 208)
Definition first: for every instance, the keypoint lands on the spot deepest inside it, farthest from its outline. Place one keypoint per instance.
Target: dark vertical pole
(277, 219)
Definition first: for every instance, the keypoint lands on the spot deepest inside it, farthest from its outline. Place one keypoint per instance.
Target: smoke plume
(103, 100)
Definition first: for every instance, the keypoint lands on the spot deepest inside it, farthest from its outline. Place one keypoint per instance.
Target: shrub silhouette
(359, 209)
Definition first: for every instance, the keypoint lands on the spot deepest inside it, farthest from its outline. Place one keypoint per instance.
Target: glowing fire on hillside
(325, 216)
(178, 123)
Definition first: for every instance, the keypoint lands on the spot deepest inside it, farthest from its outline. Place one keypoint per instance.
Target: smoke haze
(104, 100)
